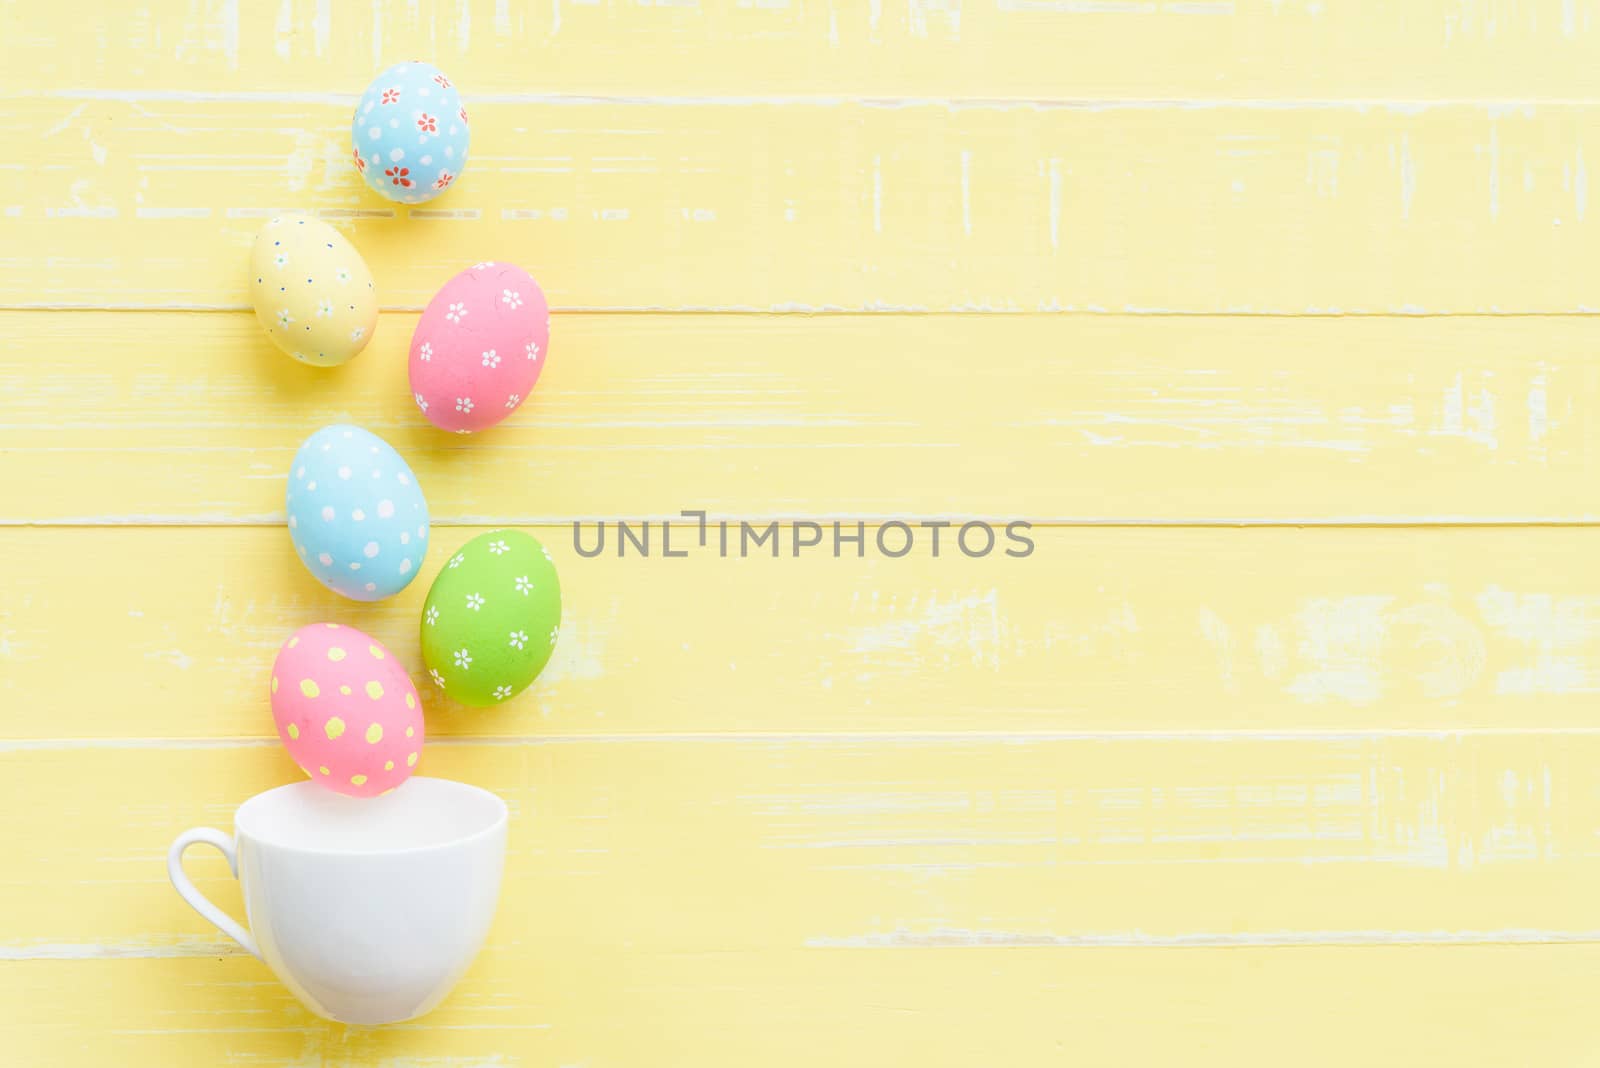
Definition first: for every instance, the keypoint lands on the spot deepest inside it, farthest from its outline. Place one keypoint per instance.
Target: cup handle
(197, 900)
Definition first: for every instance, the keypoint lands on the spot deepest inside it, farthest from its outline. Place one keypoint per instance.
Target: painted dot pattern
(354, 718)
(492, 618)
(409, 135)
(336, 526)
(312, 291)
(479, 347)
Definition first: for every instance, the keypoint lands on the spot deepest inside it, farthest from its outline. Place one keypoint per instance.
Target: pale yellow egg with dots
(312, 291)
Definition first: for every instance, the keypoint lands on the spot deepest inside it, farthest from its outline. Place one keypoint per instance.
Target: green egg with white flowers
(492, 618)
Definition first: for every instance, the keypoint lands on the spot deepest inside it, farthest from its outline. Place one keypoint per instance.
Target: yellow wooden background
(1278, 316)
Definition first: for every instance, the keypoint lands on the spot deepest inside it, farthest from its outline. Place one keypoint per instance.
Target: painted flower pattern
(342, 275)
(503, 310)
(284, 318)
(463, 114)
(518, 639)
(358, 333)
(431, 615)
(475, 601)
(325, 309)
(361, 164)
(524, 586)
(463, 659)
(398, 175)
(502, 692)
(457, 560)
(406, 117)
(438, 679)
(499, 547)
(422, 402)
(281, 260)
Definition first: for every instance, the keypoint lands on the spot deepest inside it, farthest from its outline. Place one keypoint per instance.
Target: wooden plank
(815, 204)
(554, 1002)
(179, 417)
(1099, 630)
(1028, 48)
(782, 844)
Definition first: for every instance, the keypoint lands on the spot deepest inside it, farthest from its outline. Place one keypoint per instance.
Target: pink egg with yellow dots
(346, 710)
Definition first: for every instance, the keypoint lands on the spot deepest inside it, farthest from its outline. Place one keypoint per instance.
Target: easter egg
(410, 133)
(357, 517)
(312, 291)
(346, 710)
(479, 347)
(491, 618)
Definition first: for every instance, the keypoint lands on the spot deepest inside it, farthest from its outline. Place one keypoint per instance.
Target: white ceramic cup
(368, 909)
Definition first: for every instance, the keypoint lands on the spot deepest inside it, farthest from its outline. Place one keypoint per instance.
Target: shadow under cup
(370, 909)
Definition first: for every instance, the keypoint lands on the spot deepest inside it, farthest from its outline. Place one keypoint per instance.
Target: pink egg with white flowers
(479, 347)
(346, 710)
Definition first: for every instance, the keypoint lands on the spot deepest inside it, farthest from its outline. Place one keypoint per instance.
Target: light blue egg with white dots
(409, 133)
(356, 514)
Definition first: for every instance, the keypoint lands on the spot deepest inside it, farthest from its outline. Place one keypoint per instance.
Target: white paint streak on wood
(1081, 7)
(376, 29)
(321, 26)
(1468, 412)
(284, 28)
(1341, 638)
(230, 33)
(1199, 7)
(1539, 412)
(1408, 176)
(1558, 630)
(173, 213)
(968, 626)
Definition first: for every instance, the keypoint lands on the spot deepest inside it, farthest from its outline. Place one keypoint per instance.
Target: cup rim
(502, 815)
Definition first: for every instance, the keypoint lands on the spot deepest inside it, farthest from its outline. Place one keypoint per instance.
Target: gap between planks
(1444, 522)
(952, 938)
(921, 739)
(822, 311)
(1394, 105)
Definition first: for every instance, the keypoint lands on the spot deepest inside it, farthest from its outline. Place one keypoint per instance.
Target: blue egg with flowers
(409, 133)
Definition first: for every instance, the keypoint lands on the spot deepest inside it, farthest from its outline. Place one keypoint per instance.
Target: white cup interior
(421, 813)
